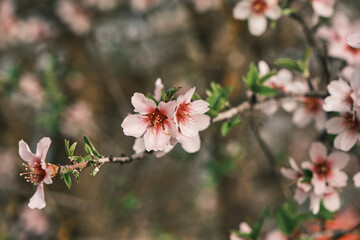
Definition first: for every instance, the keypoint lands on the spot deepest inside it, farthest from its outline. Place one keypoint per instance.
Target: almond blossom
(347, 126)
(326, 169)
(323, 8)
(295, 174)
(337, 36)
(190, 119)
(342, 95)
(330, 199)
(256, 12)
(310, 110)
(354, 40)
(38, 171)
(154, 123)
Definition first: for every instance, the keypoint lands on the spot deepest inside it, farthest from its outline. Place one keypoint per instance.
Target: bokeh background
(69, 68)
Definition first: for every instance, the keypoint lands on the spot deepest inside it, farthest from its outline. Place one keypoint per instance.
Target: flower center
(322, 168)
(351, 122)
(312, 105)
(182, 113)
(35, 173)
(157, 120)
(259, 6)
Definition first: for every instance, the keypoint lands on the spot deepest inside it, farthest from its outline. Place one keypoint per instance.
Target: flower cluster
(320, 179)
(158, 125)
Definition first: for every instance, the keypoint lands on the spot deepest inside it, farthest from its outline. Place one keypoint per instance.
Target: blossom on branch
(323, 8)
(244, 228)
(310, 110)
(38, 171)
(256, 12)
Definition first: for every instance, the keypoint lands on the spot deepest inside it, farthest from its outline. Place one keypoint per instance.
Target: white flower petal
(332, 201)
(345, 140)
(139, 145)
(25, 152)
(273, 12)
(356, 179)
(301, 117)
(354, 40)
(202, 121)
(42, 148)
(257, 24)
(158, 87)
(142, 104)
(190, 144)
(318, 152)
(242, 10)
(319, 184)
(335, 125)
(38, 199)
(199, 107)
(134, 125)
(337, 178)
(156, 141)
(168, 108)
(338, 159)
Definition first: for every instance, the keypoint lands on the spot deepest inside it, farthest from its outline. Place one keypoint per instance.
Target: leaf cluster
(217, 98)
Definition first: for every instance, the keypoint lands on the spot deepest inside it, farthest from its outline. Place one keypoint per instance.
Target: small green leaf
(149, 96)
(267, 76)
(92, 148)
(289, 64)
(170, 93)
(267, 91)
(324, 213)
(72, 149)
(67, 180)
(95, 171)
(88, 149)
(226, 126)
(217, 98)
(76, 175)
(67, 150)
(252, 77)
(78, 159)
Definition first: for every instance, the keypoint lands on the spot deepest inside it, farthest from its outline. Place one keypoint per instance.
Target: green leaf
(92, 148)
(78, 159)
(217, 98)
(72, 149)
(149, 96)
(289, 64)
(252, 77)
(267, 91)
(267, 76)
(67, 149)
(325, 214)
(170, 93)
(226, 126)
(76, 175)
(95, 171)
(88, 149)
(67, 180)
(196, 96)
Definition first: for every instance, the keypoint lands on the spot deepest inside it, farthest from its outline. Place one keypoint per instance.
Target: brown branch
(321, 53)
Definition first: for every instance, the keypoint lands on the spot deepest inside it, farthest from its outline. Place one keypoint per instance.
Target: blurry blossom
(144, 5)
(7, 168)
(103, 5)
(30, 87)
(206, 5)
(77, 120)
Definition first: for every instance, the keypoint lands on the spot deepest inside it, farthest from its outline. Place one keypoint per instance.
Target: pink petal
(168, 108)
(199, 107)
(319, 184)
(300, 196)
(47, 177)
(245, 228)
(356, 179)
(158, 87)
(345, 141)
(354, 40)
(25, 152)
(190, 144)
(288, 173)
(139, 145)
(339, 88)
(301, 117)
(318, 152)
(156, 141)
(187, 97)
(315, 203)
(170, 128)
(335, 125)
(288, 105)
(142, 104)
(134, 125)
(305, 186)
(43, 147)
(269, 107)
(307, 165)
(338, 159)
(257, 24)
(202, 121)
(273, 12)
(355, 79)
(337, 178)
(263, 68)
(322, 9)
(189, 128)
(320, 121)
(38, 199)
(294, 165)
(332, 201)
(242, 10)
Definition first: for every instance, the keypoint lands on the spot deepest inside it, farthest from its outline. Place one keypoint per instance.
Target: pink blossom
(244, 228)
(256, 12)
(326, 169)
(158, 88)
(153, 122)
(337, 36)
(38, 171)
(206, 5)
(354, 40)
(323, 8)
(282, 82)
(296, 175)
(347, 126)
(190, 119)
(75, 16)
(356, 179)
(310, 110)
(343, 97)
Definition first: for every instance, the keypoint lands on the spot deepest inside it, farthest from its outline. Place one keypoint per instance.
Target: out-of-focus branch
(320, 52)
(245, 106)
(335, 234)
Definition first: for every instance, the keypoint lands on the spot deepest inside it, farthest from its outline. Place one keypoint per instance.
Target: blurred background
(69, 68)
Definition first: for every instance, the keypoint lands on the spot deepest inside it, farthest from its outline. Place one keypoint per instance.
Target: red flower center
(259, 6)
(182, 113)
(351, 121)
(322, 168)
(35, 173)
(157, 120)
(312, 104)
